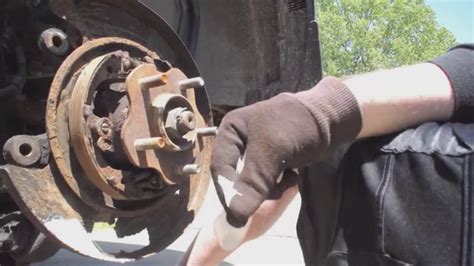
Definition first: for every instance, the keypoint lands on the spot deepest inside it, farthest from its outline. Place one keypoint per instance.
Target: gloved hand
(286, 132)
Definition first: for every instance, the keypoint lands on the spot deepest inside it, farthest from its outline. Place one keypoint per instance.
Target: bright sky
(457, 16)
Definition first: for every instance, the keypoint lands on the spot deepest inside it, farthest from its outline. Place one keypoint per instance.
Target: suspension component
(22, 150)
(26, 151)
(55, 41)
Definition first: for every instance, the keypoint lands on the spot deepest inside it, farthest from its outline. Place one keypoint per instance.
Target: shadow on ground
(165, 257)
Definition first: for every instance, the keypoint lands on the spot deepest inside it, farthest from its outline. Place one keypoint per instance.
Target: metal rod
(206, 131)
(189, 169)
(149, 144)
(150, 80)
(191, 83)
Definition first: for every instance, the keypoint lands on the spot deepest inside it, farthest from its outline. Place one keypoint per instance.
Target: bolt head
(103, 127)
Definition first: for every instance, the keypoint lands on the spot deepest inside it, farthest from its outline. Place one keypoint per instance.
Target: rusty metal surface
(146, 121)
(131, 20)
(22, 150)
(74, 201)
(119, 182)
(88, 177)
(64, 217)
(58, 128)
(102, 175)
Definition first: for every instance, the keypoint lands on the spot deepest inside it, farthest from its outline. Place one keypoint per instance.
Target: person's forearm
(392, 100)
(206, 250)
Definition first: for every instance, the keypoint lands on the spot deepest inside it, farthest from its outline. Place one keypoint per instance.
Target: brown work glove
(286, 132)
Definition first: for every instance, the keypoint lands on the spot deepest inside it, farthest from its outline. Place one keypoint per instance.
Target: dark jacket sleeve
(458, 64)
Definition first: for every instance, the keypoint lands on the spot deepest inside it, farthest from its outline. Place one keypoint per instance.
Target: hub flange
(157, 113)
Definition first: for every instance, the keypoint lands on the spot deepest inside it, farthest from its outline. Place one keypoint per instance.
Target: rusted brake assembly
(130, 139)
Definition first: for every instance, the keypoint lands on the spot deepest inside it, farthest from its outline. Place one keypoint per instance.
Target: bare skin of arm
(205, 249)
(396, 99)
(390, 100)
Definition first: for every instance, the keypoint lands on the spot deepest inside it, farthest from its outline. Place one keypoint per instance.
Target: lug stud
(191, 83)
(189, 169)
(206, 131)
(160, 79)
(150, 144)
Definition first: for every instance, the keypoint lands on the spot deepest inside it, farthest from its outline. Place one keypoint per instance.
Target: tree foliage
(364, 35)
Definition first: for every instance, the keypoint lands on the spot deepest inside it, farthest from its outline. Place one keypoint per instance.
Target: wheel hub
(131, 137)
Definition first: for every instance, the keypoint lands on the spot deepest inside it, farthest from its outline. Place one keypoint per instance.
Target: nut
(105, 144)
(103, 127)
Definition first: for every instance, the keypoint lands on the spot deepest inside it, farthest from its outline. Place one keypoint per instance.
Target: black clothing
(405, 199)
(398, 200)
(321, 192)
(458, 64)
